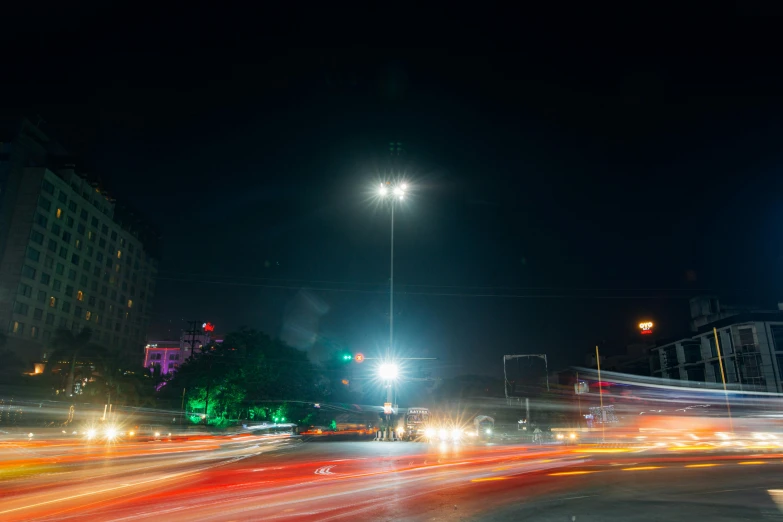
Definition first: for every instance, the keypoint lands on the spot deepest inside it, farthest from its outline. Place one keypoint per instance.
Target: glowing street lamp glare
(388, 371)
(397, 191)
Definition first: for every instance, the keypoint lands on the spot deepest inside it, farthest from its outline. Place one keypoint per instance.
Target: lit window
(119, 254)
(80, 295)
(34, 332)
(18, 327)
(130, 303)
(117, 267)
(53, 302)
(88, 315)
(59, 213)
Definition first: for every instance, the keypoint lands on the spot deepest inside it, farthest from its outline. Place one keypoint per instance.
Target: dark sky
(591, 181)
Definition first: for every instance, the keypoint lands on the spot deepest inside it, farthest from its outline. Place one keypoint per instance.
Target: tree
(70, 348)
(248, 369)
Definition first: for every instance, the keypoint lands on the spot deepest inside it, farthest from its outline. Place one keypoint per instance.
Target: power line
(406, 285)
(435, 294)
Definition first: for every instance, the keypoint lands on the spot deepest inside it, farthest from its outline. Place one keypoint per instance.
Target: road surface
(258, 478)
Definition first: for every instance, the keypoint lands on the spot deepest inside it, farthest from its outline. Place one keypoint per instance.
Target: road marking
(324, 470)
(504, 468)
(701, 465)
(751, 462)
(641, 468)
(565, 473)
(603, 450)
(488, 479)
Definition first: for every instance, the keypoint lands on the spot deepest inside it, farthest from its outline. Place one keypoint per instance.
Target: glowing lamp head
(383, 190)
(388, 371)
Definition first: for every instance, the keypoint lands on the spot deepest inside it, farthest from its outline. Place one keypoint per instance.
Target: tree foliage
(248, 372)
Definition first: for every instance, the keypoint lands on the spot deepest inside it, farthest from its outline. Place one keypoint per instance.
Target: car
(149, 433)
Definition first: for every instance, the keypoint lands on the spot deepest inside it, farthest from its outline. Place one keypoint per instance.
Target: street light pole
(396, 192)
(391, 299)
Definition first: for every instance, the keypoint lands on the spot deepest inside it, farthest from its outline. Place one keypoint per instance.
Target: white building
(751, 345)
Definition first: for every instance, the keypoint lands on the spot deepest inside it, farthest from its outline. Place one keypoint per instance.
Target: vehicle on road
(149, 433)
(417, 424)
(485, 427)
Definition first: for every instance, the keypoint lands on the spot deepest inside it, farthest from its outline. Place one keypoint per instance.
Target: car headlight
(157, 434)
(560, 436)
(91, 433)
(429, 432)
(488, 431)
(111, 433)
(442, 433)
(572, 436)
(131, 433)
(456, 434)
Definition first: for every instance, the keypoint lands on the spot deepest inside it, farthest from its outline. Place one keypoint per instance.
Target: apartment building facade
(70, 258)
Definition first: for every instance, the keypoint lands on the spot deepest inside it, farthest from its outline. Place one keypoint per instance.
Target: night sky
(560, 192)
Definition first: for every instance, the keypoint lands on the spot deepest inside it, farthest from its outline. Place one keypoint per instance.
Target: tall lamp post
(394, 193)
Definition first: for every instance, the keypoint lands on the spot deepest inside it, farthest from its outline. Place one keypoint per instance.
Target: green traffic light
(347, 357)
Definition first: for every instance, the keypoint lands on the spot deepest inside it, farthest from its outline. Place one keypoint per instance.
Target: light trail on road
(286, 479)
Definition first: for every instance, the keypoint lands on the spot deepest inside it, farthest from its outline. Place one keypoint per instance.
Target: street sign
(387, 408)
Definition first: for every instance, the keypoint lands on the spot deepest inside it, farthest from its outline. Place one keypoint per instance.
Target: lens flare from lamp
(388, 371)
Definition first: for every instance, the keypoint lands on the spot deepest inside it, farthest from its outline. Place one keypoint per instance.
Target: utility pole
(182, 408)
(601, 395)
(193, 331)
(723, 377)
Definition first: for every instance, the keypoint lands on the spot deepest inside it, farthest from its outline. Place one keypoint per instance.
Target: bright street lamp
(388, 371)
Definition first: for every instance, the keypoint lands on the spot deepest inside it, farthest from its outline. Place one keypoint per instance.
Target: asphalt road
(256, 478)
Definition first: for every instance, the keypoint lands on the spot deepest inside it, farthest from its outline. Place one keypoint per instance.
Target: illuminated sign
(359, 357)
(646, 327)
(387, 408)
(208, 327)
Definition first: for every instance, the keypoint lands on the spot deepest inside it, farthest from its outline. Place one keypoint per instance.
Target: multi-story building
(69, 256)
(170, 354)
(751, 346)
(165, 354)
